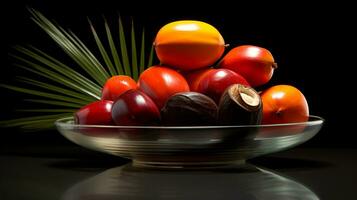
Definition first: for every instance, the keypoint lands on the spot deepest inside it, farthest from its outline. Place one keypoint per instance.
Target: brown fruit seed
(189, 109)
(240, 105)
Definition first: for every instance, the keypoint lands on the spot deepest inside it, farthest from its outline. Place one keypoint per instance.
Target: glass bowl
(159, 146)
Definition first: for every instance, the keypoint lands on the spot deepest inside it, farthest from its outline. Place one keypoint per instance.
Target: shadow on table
(234, 182)
(89, 164)
(273, 162)
(104, 161)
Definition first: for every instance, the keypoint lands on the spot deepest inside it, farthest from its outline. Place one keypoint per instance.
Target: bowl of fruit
(195, 108)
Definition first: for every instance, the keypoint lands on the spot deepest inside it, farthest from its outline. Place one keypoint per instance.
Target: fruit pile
(186, 90)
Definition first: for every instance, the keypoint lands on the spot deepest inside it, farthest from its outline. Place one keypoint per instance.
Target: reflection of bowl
(234, 182)
(189, 146)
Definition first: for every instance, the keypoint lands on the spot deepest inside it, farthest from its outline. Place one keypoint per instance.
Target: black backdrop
(310, 42)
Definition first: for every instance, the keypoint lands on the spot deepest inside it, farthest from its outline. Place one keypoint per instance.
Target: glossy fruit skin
(189, 109)
(284, 104)
(188, 45)
(194, 77)
(96, 113)
(215, 82)
(135, 108)
(254, 63)
(117, 85)
(160, 83)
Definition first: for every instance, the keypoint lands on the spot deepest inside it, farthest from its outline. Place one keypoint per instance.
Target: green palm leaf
(34, 123)
(142, 52)
(55, 103)
(134, 62)
(53, 88)
(73, 46)
(63, 88)
(45, 94)
(151, 56)
(54, 76)
(102, 50)
(113, 49)
(63, 69)
(48, 110)
(124, 51)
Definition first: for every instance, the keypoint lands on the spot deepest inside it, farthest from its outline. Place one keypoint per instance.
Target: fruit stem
(279, 112)
(226, 45)
(275, 65)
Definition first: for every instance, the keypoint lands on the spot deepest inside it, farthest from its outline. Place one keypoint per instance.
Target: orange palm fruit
(188, 45)
(284, 104)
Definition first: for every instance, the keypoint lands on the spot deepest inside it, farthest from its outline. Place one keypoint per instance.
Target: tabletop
(71, 172)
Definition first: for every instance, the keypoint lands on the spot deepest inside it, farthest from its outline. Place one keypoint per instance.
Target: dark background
(312, 44)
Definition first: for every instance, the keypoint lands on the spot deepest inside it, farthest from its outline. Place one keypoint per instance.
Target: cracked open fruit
(240, 105)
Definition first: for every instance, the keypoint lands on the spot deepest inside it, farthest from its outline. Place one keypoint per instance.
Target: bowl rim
(313, 120)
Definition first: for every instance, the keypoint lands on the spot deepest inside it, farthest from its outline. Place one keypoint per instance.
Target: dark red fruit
(215, 82)
(96, 113)
(193, 78)
(135, 108)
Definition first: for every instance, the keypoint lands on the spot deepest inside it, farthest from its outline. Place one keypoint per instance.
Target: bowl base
(186, 165)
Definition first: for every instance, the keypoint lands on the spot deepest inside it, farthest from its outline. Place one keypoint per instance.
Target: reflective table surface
(69, 172)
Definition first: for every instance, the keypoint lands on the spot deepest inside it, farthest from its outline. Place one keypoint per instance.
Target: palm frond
(45, 94)
(48, 110)
(151, 56)
(53, 88)
(124, 51)
(134, 62)
(58, 66)
(56, 77)
(54, 103)
(63, 88)
(113, 49)
(73, 46)
(102, 50)
(142, 52)
(34, 123)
